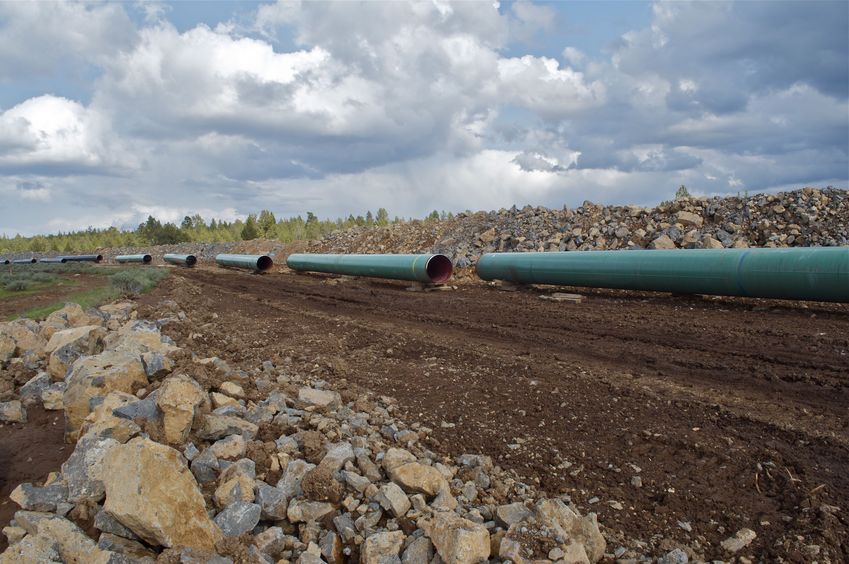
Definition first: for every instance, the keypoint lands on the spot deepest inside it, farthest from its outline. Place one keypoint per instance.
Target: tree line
(195, 228)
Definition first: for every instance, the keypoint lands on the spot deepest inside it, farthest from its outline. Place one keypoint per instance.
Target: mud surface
(730, 413)
(28, 453)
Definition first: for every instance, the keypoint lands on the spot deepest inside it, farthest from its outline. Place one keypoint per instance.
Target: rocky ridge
(186, 459)
(806, 217)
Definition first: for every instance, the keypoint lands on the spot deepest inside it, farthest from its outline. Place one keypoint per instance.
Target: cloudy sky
(113, 111)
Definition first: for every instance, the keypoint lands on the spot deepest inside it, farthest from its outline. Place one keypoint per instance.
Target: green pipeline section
(144, 259)
(809, 273)
(182, 260)
(434, 269)
(260, 263)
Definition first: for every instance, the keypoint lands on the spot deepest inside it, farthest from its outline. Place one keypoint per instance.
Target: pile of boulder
(178, 458)
(806, 217)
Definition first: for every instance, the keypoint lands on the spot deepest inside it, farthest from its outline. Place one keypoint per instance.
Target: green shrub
(137, 280)
(18, 285)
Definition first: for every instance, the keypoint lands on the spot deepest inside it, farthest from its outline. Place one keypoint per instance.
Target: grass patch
(87, 299)
(123, 282)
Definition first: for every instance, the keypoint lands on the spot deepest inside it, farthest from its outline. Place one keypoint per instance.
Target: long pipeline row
(809, 273)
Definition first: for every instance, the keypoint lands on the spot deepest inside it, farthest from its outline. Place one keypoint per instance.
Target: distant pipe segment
(83, 258)
(809, 273)
(144, 259)
(260, 263)
(6, 261)
(63, 260)
(24, 261)
(182, 260)
(434, 269)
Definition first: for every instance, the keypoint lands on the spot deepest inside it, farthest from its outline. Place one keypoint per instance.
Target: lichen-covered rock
(66, 346)
(97, 376)
(150, 490)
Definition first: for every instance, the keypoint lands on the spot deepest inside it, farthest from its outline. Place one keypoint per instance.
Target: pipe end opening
(263, 263)
(146, 259)
(191, 260)
(439, 269)
(98, 258)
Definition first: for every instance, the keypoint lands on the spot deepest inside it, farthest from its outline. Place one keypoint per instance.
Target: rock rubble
(806, 217)
(200, 462)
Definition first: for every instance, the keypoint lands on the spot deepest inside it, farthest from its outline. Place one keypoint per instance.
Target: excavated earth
(679, 420)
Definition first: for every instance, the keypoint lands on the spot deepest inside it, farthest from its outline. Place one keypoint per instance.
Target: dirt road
(679, 420)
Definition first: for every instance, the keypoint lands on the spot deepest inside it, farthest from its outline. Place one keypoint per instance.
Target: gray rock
(238, 518)
(31, 391)
(291, 480)
(420, 550)
(108, 524)
(82, 470)
(677, 556)
(33, 498)
(205, 467)
(272, 500)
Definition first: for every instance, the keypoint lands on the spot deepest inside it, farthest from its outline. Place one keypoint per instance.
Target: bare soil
(28, 453)
(731, 412)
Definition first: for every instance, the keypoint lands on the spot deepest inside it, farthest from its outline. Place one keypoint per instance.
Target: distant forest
(194, 228)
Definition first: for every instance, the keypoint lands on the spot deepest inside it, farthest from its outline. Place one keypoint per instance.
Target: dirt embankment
(679, 420)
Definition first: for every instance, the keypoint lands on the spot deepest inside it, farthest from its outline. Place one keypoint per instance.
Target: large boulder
(143, 338)
(97, 376)
(66, 346)
(150, 490)
(21, 338)
(179, 399)
(457, 540)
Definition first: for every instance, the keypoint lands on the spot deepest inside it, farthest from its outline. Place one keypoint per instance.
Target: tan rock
(457, 540)
(229, 448)
(689, 219)
(662, 242)
(319, 398)
(53, 399)
(150, 490)
(24, 333)
(214, 427)
(119, 311)
(380, 547)
(102, 423)
(73, 544)
(239, 488)
(7, 348)
(418, 478)
(220, 400)
(395, 457)
(179, 399)
(66, 346)
(13, 412)
(97, 376)
(232, 389)
(710, 243)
